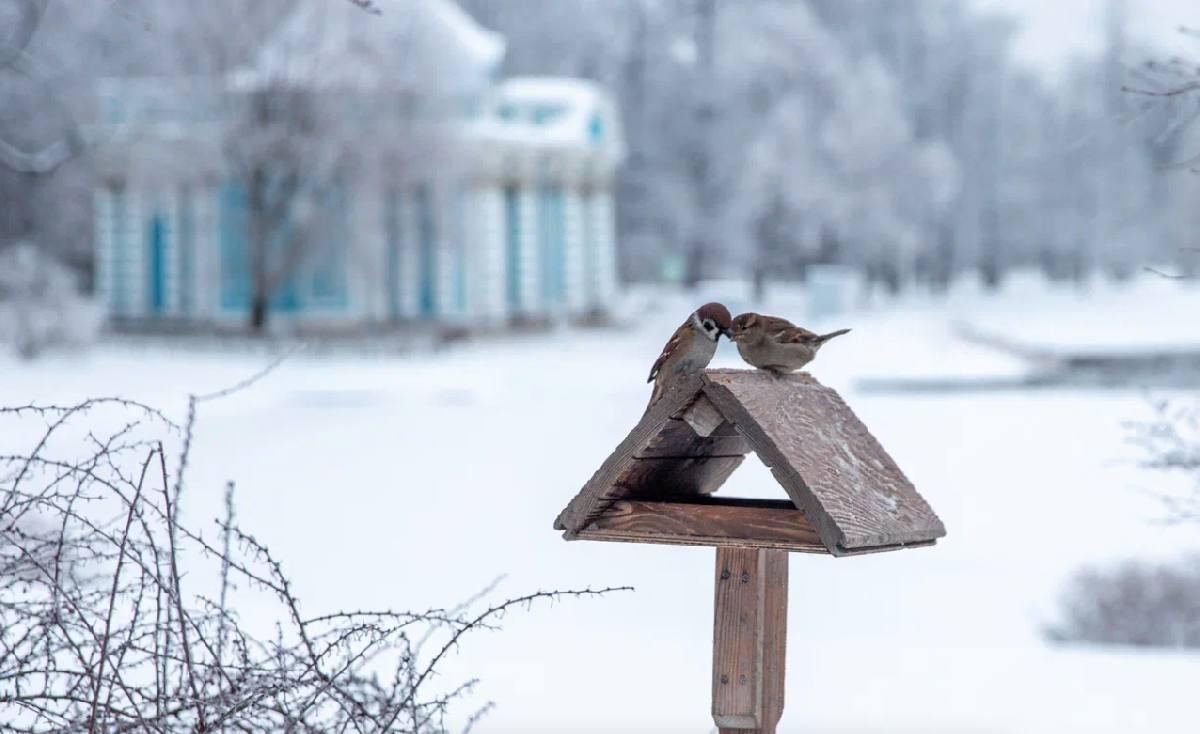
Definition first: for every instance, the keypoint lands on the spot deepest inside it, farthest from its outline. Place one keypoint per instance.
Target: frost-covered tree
(282, 143)
(40, 303)
(947, 156)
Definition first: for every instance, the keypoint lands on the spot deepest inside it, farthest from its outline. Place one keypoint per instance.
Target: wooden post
(749, 639)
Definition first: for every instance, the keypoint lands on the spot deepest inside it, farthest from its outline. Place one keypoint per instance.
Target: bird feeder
(845, 497)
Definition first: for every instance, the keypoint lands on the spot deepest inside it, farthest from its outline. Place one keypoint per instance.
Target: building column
(529, 260)
(486, 252)
(129, 271)
(167, 209)
(103, 228)
(206, 260)
(576, 250)
(367, 252)
(401, 258)
(455, 271)
(604, 251)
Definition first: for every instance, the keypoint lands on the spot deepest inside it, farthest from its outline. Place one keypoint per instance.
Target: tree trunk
(258, 313)
(760, 283)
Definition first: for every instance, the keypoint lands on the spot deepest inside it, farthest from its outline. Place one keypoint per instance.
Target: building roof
(410, 44)
(551, 112)
(847, 496)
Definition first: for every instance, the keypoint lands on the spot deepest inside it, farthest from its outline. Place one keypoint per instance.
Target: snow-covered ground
(414, 481)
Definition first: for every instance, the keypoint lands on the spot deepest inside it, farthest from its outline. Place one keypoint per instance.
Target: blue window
(545, 114)
(235, 252)
(512, 246)
(394, 232)
(508, 112)
(156, 264)
(329, 261)
(552, 244)
(596, 129)
(237, 276)
(426, 252)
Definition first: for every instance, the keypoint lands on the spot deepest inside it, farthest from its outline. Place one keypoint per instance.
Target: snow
(576, 102)
(411, 42)
(414, 481)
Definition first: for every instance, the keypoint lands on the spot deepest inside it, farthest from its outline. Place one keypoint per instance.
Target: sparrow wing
(795, 335)
(672, 344)
(774, 324)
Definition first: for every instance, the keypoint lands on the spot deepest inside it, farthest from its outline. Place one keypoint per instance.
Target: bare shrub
(1140, 604)
(104, 620)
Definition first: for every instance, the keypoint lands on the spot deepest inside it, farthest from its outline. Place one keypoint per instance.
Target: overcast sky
(1057, 29)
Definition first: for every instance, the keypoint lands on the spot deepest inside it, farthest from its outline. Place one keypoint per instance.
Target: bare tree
(37, 156)
(284, 145)
(101, 628)
(305, 118)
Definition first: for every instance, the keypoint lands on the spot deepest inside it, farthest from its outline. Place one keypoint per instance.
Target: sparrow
(776, 345)
(690, 348)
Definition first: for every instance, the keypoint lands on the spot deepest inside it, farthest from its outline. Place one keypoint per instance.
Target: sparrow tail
(826, 337)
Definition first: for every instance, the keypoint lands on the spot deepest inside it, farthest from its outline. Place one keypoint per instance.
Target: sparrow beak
(729, 334)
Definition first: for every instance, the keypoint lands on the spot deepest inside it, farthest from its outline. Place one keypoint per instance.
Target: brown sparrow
(690, 348)
(775, 344)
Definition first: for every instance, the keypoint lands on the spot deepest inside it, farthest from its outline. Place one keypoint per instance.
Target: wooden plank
(677, 439)
(738, 619)
(772, 637)
(850, 489)
(602, 489)
(693, 475)
(703, 417)
(730, 522)
(775, 606)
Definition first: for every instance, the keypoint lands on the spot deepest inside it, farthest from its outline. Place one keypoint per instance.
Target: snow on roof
(550, 88)
(551, 112)
(410, 44)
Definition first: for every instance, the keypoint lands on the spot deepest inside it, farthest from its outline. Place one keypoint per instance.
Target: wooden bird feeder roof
(845, 494)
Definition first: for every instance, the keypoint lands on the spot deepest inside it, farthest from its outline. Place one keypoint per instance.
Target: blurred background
(480, 220)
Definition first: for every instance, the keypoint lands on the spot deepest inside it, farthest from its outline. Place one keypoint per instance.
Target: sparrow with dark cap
(690, 348)
(776, 345)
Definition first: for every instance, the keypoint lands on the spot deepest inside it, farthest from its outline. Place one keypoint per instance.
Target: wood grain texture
(824, 457)
(677, 438)
(603, 488)
(775, 610)
(693, 475)
(717, 522)
(703, 417)
(738, 619)
(772, 637)
(848, 489)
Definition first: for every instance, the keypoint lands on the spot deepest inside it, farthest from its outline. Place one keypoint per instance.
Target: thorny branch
(101, 629)
(1171, 444)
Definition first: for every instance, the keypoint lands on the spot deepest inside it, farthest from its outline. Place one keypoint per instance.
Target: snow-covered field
(414, 481)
